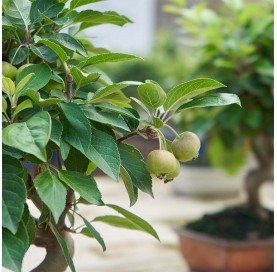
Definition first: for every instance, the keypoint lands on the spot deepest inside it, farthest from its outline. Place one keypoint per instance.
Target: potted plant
(235, 44)
(63, 116)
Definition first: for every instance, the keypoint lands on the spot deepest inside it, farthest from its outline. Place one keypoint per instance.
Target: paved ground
(132, 251)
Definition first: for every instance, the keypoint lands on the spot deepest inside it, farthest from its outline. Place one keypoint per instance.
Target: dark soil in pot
(235, 223)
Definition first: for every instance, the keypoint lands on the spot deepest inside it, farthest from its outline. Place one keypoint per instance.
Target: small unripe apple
(9, 70)
(160, 162)
(169, 177)
(186, 146)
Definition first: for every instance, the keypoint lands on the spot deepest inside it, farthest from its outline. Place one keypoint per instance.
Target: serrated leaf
(20, 85)
(76, 161)
(107, 57)
(76, 127)
(52, 192)
(18, 13)
(44, 52)
(29, 223)
(81, 78)
(189, 89)
(78, 3)
(56, 48)
(11, 258)
(11, 165)
(30, 136)
(56, 132)
(212, 100)
(151, 94)
(42, 74)
(94, 233)
(69, 42)
(83, 185)
(105, 91)
(35, 95)
(26, 104)
(132, 161)
(105, 117)
(139, 222)
(13, 199)
(64, 247)
(128, 185)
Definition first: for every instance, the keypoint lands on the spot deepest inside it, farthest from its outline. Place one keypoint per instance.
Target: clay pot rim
(221, 241)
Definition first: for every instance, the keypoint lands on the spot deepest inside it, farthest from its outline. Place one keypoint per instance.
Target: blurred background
(230, 41)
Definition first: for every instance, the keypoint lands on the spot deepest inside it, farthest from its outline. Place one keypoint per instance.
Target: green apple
(169, 177)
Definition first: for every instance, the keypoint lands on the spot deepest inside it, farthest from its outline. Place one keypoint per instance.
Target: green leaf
(105, 91)
(8, 86)
(107, 57)
(30, 136)
(212, 100)
(18, 55)
(13, 199)
(78, 3)
(4, 104)
(118, 99)
(103, 152)
(18, 13)
(26, 104)
(52, 192)
(89, 18)
(83, 185)
(94, 233)
(6, 24)
(151, 94)
(29, 223)
(11, 165)
(23, 82)
(14, 248)
(132, 161)
(44, 52)
(76, 161)
(76, 127)
(139, 222)
(35, 95)
(158, 123)
(42, 74)
(56, 132)
(65, 148)
(141, 105)
(56, 48)
(81, 78)
(69, 42)
(117, 221)
(128, 185)
(63, 246)
(189, 89)
(105, 117)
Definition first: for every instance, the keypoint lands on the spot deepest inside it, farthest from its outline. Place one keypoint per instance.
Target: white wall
(136, 37)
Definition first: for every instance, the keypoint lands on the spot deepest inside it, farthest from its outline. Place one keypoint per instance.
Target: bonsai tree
(234, 44)
(63, 118)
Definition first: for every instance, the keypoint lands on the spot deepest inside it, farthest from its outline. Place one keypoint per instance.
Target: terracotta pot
(204, 253)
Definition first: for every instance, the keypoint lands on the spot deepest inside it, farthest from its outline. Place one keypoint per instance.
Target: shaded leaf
(26, 104)
(35, 95)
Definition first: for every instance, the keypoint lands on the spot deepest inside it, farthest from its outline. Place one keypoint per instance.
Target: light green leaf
(8, 86)
(18, 13)
(94, 233)
(117, 221)
(103, 152)
(14, 248)
(78, 3)
(30, 136)
(151, 94)
(42, 74)
(64, 247)
(141, 105)
(56, 48)
(13, 199)
(52, 192)
(107, 57)
(105, 91)
(158, 123)
(26, 104)
(69, 42)
(76, 127)
(128, 185)
(83, 185)
(118, 99)
(105, 117)
(23, 82)
(4, 104)
(212, 100)
(81, 78)
(139, 222)
(133, 162)
(181, 93)
(35, 95)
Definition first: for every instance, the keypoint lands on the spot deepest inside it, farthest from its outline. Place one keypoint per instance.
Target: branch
(135, 133)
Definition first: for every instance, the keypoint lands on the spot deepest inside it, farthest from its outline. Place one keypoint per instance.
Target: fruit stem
(173, 130)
